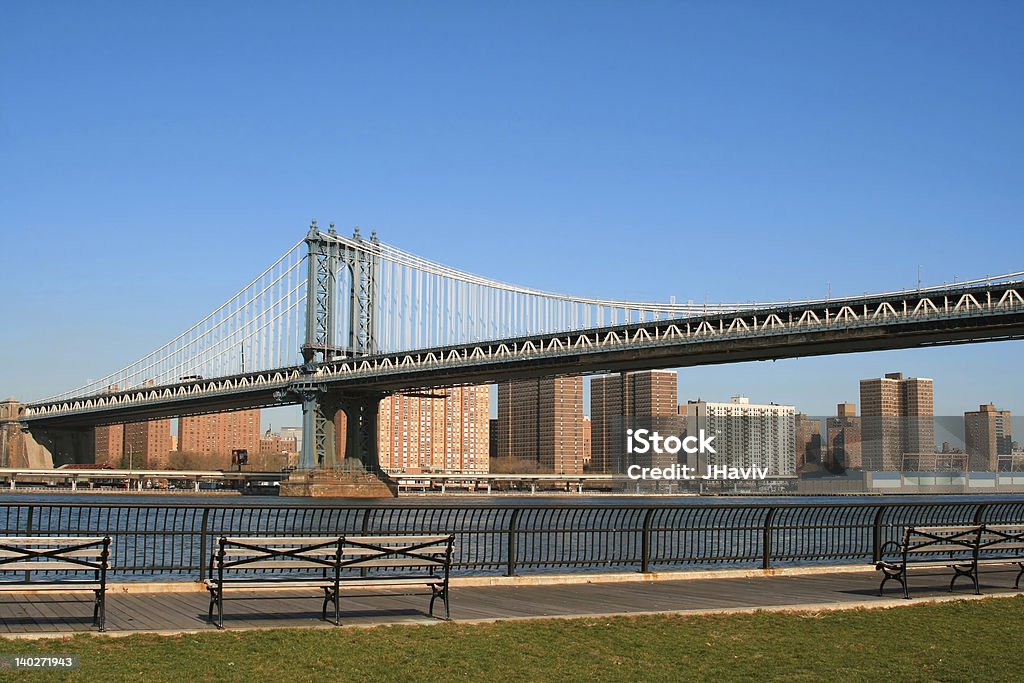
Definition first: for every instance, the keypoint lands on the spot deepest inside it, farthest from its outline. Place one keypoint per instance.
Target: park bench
(932, 547)
(328, 563)
(390, 561)
(1002, 544)
(58, 564)
(260, 562)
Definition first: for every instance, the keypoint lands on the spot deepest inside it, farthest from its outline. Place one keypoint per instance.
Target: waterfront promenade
(183, 609)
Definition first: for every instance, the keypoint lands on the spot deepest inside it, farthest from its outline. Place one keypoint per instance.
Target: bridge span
(347, 321)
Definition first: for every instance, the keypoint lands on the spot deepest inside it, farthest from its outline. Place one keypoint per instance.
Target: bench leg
(899, 576)
(439, 592)
(216, 600)
(970, 573)
(1016, 584)
(331, 596)
(99, 610)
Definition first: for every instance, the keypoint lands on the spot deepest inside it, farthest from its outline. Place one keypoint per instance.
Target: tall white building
(746, 434)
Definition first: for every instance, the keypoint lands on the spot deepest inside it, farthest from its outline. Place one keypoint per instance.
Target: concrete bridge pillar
(40, 448)
(45, 448)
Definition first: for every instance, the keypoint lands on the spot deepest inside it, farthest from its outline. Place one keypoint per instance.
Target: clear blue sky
(156, 156)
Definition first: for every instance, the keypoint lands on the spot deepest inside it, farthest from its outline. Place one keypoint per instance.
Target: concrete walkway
(47, 615)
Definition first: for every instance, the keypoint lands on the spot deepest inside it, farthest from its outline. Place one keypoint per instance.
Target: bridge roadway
(935, 317)
(73, 477)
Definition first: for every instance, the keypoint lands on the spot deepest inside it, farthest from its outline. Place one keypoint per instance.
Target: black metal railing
(174, 541)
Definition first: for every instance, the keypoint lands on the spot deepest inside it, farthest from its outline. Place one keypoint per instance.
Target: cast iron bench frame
(64, 554)
(919, 546)
(376, 556)
(382, 561)
(995, 540)
(283, 553)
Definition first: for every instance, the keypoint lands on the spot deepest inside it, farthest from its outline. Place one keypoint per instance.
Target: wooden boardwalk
(62, 614)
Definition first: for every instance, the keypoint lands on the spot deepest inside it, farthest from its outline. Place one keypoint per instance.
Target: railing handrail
(526, 505)
(173, 537)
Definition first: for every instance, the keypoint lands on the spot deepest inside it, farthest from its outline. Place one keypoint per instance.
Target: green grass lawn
(954, 641)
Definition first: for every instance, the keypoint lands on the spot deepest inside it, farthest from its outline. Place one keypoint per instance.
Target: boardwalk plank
(64, 613)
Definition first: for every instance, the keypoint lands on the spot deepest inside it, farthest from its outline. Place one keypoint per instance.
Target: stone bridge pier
(40, 448)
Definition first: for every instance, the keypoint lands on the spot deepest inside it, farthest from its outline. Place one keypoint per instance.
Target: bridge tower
(328, 254)
(329, 257)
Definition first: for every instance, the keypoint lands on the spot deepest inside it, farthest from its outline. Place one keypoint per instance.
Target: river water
(171, 536)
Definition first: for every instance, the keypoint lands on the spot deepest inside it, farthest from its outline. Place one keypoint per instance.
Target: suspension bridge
(337, 323)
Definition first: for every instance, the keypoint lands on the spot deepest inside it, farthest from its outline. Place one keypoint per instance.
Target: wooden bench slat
(404, 581)
(47, 566)
(283, 540)
(256, 583)
(279, 564)
(924, 565)
(50, 540)
(394, 562)
(28, 586)
(396, 540)
(350, 551)
(68, 553)
(245, 552)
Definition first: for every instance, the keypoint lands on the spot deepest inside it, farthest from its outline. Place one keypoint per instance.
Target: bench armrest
(896, 545)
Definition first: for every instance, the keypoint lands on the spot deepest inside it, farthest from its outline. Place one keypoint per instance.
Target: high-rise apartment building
(220, 433)
(588, 451)
(808, 440)
(898, 418)
(843, 437)
(541, 421)
(493, 447)
(449, 434)
(109, 445)
(987, 435)
(271, 443)
(628, 400)
(147, 444)
(746, 435)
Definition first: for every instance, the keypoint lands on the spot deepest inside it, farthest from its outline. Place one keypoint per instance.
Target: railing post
(203, 543)
(979, 512)
(28, 532)
(876, 534)
(766, 542)
(365, 531)
(512, 545)
(645, 542)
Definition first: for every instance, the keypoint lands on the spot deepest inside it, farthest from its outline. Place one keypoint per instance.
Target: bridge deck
(55, 615)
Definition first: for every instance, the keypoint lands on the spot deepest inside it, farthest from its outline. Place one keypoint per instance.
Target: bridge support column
(322, 470)
(361, 413)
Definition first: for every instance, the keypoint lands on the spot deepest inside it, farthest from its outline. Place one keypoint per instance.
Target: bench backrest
(1003, 538)
(285, 553)
(958, 540)
(368, 552)
(50, 553)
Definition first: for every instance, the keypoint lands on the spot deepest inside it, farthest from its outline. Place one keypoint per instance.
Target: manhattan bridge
(337, 323)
